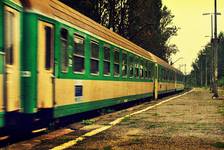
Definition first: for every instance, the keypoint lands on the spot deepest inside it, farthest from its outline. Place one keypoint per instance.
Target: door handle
(53, 76)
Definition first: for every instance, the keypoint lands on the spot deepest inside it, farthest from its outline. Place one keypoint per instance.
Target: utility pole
(212, 66)
(201, 75)
(206, 71)
(215, 57)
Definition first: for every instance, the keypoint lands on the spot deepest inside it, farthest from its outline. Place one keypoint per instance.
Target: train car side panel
(1, 67)
(179, 86)
(1, 90)
(29, 63)
(75, 96)
(76, 91)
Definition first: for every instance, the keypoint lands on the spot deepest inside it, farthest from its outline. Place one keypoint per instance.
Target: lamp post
(214, 68)
(176, 60)
(215, 57)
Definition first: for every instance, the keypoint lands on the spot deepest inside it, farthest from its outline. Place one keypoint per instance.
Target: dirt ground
(193, 121)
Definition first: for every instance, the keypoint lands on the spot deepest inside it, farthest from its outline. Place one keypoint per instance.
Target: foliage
(145, 22)
(197, 77)
(88, 122)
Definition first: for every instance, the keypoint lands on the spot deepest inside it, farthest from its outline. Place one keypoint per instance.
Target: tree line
(148, 23)
(201, 74)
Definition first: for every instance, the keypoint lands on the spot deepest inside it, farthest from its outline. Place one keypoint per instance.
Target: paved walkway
(192, 121)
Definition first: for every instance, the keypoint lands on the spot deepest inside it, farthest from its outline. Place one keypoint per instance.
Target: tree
(145, 22)
(204, 54)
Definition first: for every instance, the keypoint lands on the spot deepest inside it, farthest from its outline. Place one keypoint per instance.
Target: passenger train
(56, 62)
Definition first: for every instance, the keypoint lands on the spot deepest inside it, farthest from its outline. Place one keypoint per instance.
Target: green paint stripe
(180, 89)
(166, 91)
(61, 111)
(29, 63)
(1, 63)
(2, 120)
(13, 5)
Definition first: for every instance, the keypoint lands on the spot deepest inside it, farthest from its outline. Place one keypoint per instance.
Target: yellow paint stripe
(111, 124)
(4, 138)
(39, 130)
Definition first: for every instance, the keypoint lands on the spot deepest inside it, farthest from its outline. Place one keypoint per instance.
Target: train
(56, 62)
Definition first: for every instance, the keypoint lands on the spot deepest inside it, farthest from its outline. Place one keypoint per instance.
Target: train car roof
(57, 9)
(165, 64)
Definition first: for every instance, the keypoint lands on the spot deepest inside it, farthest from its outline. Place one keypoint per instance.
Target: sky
(193, 27)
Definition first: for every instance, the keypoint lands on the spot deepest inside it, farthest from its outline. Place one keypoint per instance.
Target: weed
(88, 122)
(136, 141)
(152, 126)
(221, 110)
(218, 145)
(107, 148)
(180, 114)
(126, 119)
(155, 114)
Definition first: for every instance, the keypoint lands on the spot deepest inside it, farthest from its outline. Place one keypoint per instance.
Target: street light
(215, 56)
(176, 61)
(205, 14)
(214, 50)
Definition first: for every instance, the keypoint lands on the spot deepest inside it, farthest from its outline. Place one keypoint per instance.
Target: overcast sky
(194, 27)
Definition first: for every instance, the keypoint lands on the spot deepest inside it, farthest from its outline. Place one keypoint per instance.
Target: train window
(145, 69)
(94, 58)
(131, 67)
(9, 34)
(163, 74)
(116, 63)
(48, 48)
(124, 64)
(79, 54)
(141, 69)
(149, 70)
(106, 61)
(136, 67)
(64, 51)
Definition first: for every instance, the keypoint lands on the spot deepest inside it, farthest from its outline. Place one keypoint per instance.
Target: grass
(221, 110)
(136, 141)
(88, 122)
(202, 126)
(107, 148)
(218, 144)
(153, 126)
(155, 114)
(126, 119)
(178, 114)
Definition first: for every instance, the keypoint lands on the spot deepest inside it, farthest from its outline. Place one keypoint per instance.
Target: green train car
(55, 62)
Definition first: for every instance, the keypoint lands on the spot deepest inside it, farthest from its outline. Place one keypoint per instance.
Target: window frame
(131, 65)
(95, 59)
(123, 64)
(67, 45)
(77, 55)
(108, 61)
(116, 63)
(9, 39)
(136, 67)
(49, 47)
(141, 69)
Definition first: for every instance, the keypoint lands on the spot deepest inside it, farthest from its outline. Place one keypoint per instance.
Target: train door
(156, 81)
(12, 56)
(45, 65)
